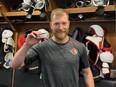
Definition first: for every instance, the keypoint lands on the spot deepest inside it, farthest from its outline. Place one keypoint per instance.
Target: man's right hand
(31, 38)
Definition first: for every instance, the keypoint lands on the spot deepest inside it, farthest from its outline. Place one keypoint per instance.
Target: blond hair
(59, 12)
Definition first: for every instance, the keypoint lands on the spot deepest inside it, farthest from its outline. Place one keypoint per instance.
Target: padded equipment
(6, 34)
(100, 2)
(107, 57)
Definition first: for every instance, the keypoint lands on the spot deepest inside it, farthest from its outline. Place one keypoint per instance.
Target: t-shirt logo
(73, 51)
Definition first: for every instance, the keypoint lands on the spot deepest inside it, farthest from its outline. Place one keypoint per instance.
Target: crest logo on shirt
(73, 51)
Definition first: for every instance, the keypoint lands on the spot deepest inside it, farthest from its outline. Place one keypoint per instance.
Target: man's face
(60, 26)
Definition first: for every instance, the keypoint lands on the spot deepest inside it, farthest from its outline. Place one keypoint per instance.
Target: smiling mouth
(60, 31)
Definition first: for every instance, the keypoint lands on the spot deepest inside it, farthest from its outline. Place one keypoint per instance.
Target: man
(60, 56)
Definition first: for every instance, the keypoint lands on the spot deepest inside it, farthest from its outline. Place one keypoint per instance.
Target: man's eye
(56, 24)
(63, 23)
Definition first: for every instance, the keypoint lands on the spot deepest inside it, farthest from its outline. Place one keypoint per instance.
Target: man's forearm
(19, 56)
(89, 81)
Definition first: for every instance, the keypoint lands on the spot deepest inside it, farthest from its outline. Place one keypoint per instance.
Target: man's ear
(69, 22)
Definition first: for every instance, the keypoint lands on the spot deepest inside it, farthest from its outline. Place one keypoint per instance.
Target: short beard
(59, 36)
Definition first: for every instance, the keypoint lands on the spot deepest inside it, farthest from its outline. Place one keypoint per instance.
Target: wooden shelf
(69, 10)
(88, 9)
(27, 22)
(46, 22)
(105, 20)
(20, 13)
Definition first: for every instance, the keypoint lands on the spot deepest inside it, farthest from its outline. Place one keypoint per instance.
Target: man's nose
(60, 26)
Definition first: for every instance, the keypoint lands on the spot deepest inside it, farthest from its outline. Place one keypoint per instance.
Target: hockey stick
(3, 14)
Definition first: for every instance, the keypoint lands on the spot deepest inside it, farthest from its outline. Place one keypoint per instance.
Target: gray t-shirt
(60, 62)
